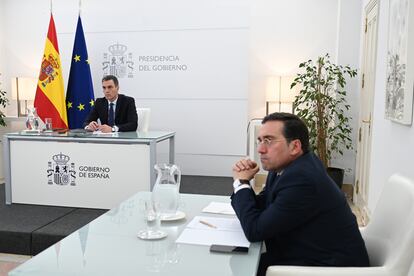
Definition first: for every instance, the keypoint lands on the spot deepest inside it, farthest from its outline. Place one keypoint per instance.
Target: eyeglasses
(267, 142)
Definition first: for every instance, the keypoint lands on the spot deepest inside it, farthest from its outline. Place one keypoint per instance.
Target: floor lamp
(279, 95)
(23, 89)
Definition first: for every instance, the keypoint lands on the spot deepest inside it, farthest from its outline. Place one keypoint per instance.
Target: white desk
(80, 169)
(13, 124)
(109, 246)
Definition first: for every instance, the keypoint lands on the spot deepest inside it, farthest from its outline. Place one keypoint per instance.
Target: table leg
(172, 150)
(153, 158)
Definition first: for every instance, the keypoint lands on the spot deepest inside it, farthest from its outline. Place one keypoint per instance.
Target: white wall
(283, 34)
(392, 143)
(348, 46)
(2, 63)
(206, 105)
(286, 33)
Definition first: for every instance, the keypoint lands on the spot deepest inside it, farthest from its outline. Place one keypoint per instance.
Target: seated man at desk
(301, 215)
(116, 112)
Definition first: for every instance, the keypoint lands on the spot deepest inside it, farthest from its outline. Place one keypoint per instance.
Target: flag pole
(51, 7)
(80, 7)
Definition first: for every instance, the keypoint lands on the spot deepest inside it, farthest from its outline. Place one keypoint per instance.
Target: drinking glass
(150, 210)
(155, 256)
(172, 250)
(48, 124)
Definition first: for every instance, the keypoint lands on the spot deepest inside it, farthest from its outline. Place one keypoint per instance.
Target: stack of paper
(219, 208)
(210, 230)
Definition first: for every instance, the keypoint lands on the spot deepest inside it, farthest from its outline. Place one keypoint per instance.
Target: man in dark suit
(116, 112)
(301, 214)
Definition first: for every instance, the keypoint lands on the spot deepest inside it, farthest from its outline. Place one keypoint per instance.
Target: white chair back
(389, 237)
(143, 119)
(411, 272)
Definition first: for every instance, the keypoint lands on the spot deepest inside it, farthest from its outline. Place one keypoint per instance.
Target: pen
(207, 224)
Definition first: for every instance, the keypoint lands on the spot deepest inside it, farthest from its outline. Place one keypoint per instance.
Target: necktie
(111, 114)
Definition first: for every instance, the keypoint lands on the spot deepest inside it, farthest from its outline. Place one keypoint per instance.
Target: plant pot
(337, 175)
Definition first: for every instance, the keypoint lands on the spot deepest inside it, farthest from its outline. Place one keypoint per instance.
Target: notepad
(219, 208)
(227, 231)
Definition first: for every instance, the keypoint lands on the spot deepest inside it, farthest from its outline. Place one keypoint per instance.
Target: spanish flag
(50, 98)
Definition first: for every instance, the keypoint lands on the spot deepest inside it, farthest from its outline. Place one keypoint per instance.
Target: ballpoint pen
(207, 224)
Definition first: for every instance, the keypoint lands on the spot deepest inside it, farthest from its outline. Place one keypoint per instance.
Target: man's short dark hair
(293, 128)
(111, 77)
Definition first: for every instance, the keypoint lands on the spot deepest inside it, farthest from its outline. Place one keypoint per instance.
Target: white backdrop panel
(202, 127)
(128, 15)
(213, 63)
(208, 99)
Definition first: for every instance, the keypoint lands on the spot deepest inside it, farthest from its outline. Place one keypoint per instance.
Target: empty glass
(151, 215)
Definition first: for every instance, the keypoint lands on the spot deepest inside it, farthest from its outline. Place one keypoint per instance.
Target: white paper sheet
(219, 208)
(228, 231)
(221, 224)
(100, 133)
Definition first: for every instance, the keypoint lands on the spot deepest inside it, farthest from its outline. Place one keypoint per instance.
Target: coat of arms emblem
(60, 171)
(118, 62)
(48, 71)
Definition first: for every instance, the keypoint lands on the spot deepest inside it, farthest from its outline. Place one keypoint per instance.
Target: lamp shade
(287, 95)
(279, 95)
(24, 87)
(278, 89)
(273, 89)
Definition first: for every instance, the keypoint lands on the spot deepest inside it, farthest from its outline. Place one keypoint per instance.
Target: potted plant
(321, 103)
(3, 102)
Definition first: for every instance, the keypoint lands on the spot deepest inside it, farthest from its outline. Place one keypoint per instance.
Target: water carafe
(32, 120)
(166, 188)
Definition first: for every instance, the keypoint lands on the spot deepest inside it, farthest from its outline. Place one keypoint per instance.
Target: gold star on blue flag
(80, 86)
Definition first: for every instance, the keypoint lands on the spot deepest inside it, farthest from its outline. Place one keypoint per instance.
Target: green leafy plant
(321, 103)
(3, 102)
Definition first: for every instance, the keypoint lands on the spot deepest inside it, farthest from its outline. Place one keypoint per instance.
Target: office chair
(389, 237)
(143, 118)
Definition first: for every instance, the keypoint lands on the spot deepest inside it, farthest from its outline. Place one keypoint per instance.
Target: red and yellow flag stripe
(50, 98)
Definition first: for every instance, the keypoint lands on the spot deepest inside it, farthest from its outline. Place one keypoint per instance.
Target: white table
(80, 169)
(109, 246)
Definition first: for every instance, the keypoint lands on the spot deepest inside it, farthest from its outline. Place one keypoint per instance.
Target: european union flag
(79, 96)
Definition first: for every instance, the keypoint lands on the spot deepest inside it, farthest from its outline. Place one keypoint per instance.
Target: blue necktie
(111, 114)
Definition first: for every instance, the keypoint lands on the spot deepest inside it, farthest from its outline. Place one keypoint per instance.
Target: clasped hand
(94, 126)
(245, 169)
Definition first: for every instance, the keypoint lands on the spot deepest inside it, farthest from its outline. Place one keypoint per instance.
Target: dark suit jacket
(126, 118)
(303, 218)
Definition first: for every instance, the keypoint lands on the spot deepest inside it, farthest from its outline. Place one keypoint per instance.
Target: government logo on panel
(118, 62)
(60, 171)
